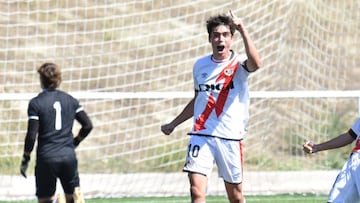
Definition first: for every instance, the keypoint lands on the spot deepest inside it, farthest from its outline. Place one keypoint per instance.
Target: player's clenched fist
(308, 147)
(167, 128)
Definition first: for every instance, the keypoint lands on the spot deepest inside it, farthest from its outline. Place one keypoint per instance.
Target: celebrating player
(51, 115)
(346, 188)
(220, 109)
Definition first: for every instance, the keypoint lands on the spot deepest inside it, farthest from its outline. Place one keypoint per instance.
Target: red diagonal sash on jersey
(357, 146)
(228, 74)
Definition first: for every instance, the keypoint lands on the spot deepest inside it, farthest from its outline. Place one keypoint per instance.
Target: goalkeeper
(346, 188)
(51, 115)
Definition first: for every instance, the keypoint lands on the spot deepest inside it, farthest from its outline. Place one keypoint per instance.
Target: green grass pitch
(285, 198)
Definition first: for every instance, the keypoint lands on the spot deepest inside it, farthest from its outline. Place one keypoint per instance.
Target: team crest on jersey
(228, 72)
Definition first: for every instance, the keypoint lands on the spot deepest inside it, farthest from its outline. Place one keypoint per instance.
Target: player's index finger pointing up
(232, 14)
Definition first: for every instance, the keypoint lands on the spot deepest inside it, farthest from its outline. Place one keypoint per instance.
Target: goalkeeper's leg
(60, 198)
(78, 196)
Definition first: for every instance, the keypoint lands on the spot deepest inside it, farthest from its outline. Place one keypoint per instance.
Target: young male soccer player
(51, 115)
(220, 109)
(346, 188)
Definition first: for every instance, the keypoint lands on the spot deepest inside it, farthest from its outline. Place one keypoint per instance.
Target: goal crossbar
(170, 95)
(173, 95)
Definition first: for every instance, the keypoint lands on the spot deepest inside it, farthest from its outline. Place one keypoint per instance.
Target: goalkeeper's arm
(86, 127)
(33, 126)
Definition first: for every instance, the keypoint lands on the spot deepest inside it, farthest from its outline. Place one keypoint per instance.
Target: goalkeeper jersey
(55, 110)
(221, 107)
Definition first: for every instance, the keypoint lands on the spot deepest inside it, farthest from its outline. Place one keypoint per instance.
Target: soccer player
(51, 115)
(220, 109)
(346, 188)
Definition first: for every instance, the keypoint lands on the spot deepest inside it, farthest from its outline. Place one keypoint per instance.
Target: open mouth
(220, 48)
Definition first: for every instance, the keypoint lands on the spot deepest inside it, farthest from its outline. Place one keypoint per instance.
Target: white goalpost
(130, 65)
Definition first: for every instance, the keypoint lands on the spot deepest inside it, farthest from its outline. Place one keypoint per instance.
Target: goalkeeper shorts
(48, 170)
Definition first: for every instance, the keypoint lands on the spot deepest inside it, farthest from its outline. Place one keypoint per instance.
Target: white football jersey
(356, 129)
(222, 105)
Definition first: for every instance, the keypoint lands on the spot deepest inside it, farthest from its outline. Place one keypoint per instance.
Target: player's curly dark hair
(221, 19)
(50, 75)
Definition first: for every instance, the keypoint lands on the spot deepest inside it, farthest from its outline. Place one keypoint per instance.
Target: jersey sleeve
(77, 106)
(32, 110)
(33, 126)
(243, 60)
(356, 127)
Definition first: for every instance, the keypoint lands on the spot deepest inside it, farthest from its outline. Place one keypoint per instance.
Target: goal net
(129, 63)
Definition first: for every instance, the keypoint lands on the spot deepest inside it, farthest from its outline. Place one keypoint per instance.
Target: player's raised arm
(253, 62)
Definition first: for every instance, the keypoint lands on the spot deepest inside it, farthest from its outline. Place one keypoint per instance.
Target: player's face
(220, 40)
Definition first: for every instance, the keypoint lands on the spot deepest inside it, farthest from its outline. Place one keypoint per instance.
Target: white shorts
(204, 151)
(346, 188)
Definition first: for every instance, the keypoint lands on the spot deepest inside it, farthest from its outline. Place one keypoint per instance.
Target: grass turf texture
(285, 198)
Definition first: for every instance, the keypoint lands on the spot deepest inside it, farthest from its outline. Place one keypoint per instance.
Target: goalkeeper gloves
(24, 165)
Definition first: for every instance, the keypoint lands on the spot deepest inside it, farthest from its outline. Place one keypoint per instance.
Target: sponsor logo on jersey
(215, 87)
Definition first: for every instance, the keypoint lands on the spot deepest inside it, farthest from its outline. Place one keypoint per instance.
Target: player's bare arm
(187, 113)
(337, 142)
(253, 62)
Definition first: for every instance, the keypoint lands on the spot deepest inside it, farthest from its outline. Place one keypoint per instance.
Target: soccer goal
(129, 63)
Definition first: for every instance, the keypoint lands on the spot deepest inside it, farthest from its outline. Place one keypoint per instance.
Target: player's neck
(222, 59)
(48, 89)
